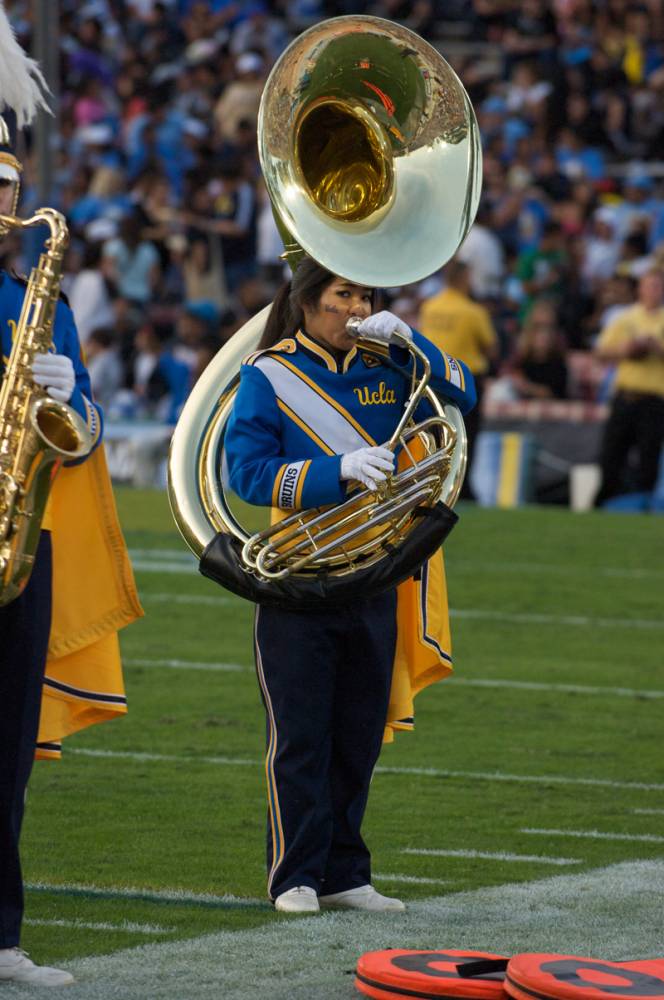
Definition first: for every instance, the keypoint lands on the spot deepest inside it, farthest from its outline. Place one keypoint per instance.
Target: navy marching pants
(24, 630)
(325, 679)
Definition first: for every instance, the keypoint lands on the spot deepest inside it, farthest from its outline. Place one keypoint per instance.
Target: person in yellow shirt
(634, 342)
(462, 328)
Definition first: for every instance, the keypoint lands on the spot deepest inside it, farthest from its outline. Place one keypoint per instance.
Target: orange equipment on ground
(475, 975)
(568, 977)
(398, 973)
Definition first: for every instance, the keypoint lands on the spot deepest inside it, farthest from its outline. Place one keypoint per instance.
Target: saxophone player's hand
(56, 373)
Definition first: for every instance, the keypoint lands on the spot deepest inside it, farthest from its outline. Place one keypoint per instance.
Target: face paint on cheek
(331, 309)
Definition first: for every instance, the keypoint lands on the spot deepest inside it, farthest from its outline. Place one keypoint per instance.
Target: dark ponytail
(279, 323)
(304, 289)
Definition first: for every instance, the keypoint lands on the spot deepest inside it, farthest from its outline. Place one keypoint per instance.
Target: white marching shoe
(16, 967)
(299, 899)
(364, 897)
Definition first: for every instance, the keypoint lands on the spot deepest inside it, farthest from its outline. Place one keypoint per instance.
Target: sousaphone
(371, 154)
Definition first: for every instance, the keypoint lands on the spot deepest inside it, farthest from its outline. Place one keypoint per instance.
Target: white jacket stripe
(311, 408)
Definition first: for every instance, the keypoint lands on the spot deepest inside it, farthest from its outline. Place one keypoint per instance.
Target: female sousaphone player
(371, 154)
(306, 427)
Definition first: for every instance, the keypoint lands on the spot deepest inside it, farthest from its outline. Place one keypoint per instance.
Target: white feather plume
(22, 84)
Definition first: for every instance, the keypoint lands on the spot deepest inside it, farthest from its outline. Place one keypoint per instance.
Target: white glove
(56, 372)
(367, 465)
(382, 326)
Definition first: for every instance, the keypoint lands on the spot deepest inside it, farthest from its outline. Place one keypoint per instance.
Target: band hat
(23, 90)
(22, 84)
(9, 167)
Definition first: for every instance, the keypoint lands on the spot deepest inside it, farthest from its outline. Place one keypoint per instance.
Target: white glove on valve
(367, 465)
(56, 372)
(382, 326)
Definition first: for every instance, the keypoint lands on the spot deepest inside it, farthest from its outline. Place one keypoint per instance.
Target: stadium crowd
(173, 240)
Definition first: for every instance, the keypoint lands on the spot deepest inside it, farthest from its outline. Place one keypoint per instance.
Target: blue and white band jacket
(65, 341)
(298, 409)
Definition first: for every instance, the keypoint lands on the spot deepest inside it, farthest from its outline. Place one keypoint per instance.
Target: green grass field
(541, 758)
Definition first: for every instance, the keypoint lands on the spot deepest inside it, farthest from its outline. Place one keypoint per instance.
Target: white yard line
(609, 912)
(202, 599)
(186, 665)
(144, 895)
(150, 566)
(549, 569)
(490, 856)
(168, 758)
(457, 681)
(536, 619)
(505, 617)
(183, 555)
(642, 838)
(648, 812)
(619, 692)
(411, 879)
(477, 565)
(425, 772)
(125, 925)
(536, 779)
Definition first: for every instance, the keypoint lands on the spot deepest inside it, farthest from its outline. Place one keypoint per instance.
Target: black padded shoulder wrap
(222, 563)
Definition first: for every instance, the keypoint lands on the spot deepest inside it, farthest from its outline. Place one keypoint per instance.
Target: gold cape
(424, 646)
(94, 595)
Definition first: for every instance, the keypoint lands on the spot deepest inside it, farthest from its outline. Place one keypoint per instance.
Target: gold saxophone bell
(371, 154)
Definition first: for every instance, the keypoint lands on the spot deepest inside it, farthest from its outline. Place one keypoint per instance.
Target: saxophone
(37, 433)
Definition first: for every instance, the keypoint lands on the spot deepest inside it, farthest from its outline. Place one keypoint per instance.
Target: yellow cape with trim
(424, 642)
(94, 595)
(424, 645)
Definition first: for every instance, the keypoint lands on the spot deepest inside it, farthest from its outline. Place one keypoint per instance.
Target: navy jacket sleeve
(450, 378)
(65, 341)
(258, 469)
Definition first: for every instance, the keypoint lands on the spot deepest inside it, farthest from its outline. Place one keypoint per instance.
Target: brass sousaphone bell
(371, 154)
